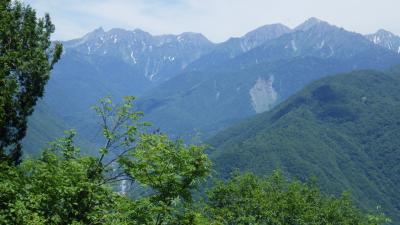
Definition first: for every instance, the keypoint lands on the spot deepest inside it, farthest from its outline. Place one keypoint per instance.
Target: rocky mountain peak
(311, 23)
(271, 30)
(385, 39)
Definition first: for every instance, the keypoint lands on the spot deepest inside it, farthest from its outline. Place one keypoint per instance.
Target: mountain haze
(236, 46)
(205, 99)
(116, 63)
(189, 86)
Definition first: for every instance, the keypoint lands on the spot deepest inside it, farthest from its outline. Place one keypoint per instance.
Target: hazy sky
(216, 19)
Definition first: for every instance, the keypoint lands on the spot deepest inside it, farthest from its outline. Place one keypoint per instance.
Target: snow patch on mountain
(245, 46)
(151, 77)
(321, 45)
(133, 58)
(294, 47)
(377, 40)
(179, 38)
(169, 58)
(385, 39)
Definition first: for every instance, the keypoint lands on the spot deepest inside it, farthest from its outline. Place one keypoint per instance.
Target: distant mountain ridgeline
(116, 63)
(221, 88)
(188, 85)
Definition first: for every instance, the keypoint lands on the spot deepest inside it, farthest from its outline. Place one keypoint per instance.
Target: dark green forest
(327, 155)
(343, 130)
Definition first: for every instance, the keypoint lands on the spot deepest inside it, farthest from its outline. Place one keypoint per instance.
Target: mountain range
(116, 63)
(189, 86)
(207, 97)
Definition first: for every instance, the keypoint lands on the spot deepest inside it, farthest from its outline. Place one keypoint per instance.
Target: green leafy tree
(64, 187)
(170, 169)
(61, 187)
(166, 170)
(246, 199)
(26, 59)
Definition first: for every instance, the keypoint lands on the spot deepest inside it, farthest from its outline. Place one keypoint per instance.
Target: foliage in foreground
(247, 199)
(26, 59)
(64, 187)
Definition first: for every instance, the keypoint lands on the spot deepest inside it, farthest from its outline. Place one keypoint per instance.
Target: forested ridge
(341, 129)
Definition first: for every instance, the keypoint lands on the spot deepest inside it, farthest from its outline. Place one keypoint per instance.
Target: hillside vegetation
(342, 129)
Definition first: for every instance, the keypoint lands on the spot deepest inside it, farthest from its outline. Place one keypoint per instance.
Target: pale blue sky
(216, 19)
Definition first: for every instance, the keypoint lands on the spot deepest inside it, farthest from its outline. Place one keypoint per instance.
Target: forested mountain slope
(344, 130)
